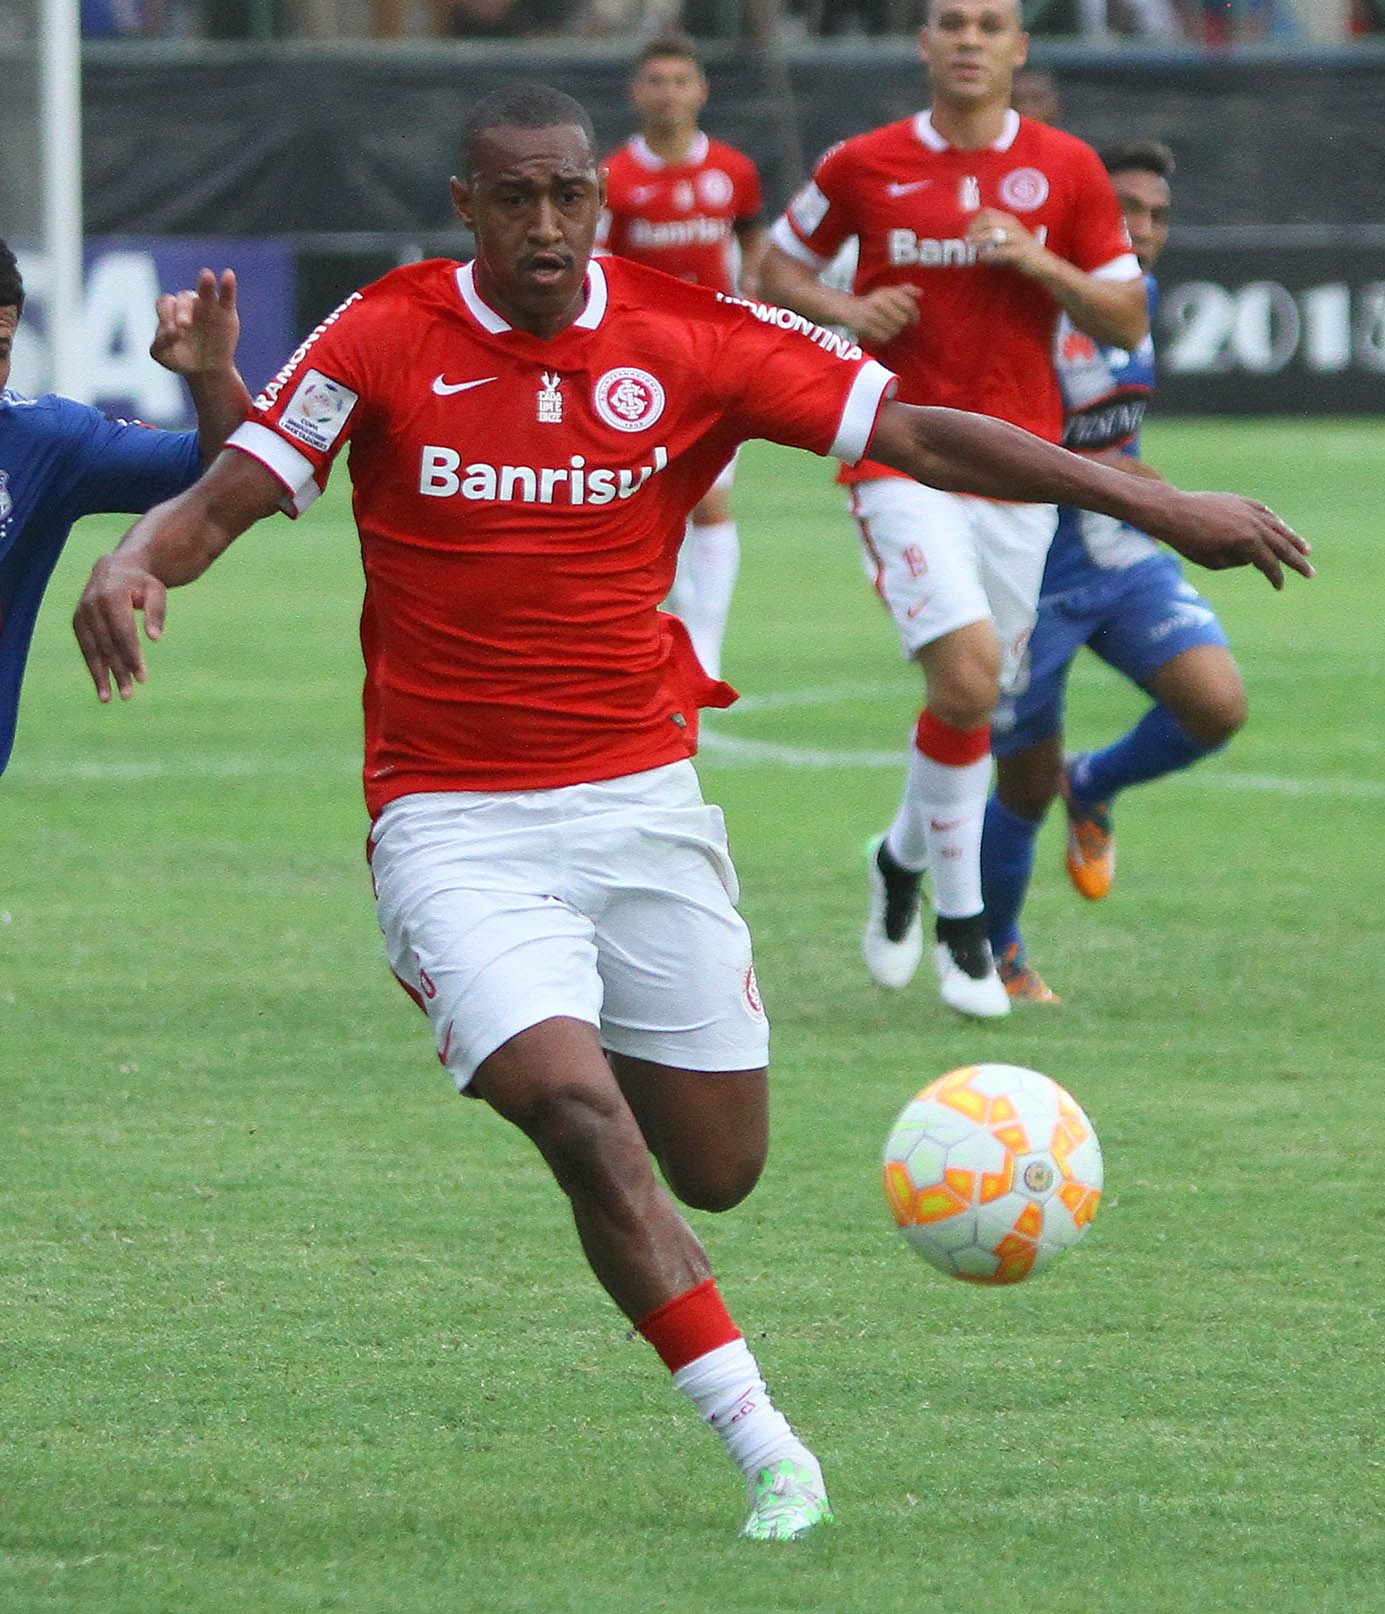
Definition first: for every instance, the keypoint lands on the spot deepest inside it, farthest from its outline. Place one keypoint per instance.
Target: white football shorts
(942, 560)
(612, 903)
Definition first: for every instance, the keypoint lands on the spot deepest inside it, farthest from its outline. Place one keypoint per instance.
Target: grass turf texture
(286, 1326)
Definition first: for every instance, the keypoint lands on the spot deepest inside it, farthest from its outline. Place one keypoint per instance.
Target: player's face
(1145, 201)
(9, 324)
(972, 48)
(668, 93)
(532, 203)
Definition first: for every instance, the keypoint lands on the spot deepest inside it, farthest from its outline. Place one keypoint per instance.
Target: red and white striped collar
(487, 318)
(929, 136)
(646, 157)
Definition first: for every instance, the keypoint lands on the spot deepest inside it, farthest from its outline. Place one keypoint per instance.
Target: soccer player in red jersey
(553, 890)
(687, 204)
(977, 228)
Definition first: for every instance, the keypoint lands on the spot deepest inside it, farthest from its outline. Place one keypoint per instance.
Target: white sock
(703, 585)
(726, 1388)
(938, 828)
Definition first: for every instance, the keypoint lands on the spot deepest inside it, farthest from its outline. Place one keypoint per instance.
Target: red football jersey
(984, 337)
(681, 217)
(521, 501)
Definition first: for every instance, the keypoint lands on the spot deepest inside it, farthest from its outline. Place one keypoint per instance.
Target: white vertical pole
(60, 103)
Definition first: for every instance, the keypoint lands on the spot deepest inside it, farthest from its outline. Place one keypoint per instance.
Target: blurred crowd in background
(1207, 23)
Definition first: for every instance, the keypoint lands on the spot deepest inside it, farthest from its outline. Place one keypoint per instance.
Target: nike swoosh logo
(445, 389)
(896, 189)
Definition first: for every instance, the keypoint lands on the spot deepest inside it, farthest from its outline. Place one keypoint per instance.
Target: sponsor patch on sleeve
(318, 410)
(809, 208)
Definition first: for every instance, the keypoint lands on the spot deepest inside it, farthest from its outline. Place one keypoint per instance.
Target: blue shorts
(1136, 619)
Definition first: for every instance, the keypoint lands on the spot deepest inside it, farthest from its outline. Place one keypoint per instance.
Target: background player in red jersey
(552, 887)
(976, 229)
(687, 204)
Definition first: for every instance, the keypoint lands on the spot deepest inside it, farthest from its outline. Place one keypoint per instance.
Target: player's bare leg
(555, 1083)
(709, 1130)
(1202, 687)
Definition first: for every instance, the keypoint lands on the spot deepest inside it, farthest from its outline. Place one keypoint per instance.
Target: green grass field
(287, 1326)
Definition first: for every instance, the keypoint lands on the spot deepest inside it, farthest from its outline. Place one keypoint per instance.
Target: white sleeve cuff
(281, 459)
(1126, 267)
(782, 235)
(873, 384)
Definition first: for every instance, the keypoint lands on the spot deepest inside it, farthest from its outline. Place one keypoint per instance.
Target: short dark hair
(1149, 156)
(679, 46)
(11, 281)
(522, 105)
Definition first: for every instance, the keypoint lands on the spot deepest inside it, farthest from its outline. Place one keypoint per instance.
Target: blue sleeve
(119, 466)
(63, 460)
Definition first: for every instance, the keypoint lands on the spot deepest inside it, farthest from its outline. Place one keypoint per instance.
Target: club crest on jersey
(550, 400)
(628, 399)
(6, 501)
(714, 187)
(1024, 189)
(750, 990)
(317, 411)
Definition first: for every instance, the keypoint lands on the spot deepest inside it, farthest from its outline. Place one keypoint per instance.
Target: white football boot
(892, 944)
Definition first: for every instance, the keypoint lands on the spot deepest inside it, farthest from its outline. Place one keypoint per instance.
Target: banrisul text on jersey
(443, 476)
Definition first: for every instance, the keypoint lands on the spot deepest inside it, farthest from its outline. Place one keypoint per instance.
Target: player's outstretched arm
(170, 545)
(196, 339)
(965, 453)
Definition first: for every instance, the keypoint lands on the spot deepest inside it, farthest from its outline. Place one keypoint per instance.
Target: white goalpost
(60, 115)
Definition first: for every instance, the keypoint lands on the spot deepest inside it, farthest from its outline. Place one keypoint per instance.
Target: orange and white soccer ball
(992, 1171)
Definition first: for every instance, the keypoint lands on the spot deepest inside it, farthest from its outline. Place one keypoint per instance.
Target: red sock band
(689, 1325)
(955, 748)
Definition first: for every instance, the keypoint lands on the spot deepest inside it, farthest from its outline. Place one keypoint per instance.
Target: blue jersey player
(61, 460)
(1110, 587)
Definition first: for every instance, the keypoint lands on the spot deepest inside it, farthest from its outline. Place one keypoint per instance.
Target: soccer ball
(991, 1172)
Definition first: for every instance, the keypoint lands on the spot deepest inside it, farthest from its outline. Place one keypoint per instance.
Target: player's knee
(965, 700)
(588, 1137)
(1217, 715)
(719, 1183)
(964, 686)
(1231, 714)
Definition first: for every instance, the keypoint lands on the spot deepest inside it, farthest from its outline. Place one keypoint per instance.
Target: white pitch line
(784, 700)
(726, 748)
(756, 752)
(751, 753)
(1273, 784)
(88, 771)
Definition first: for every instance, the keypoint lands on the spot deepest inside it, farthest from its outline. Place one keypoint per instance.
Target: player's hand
(1218, 530)
(105, 625)
(879, 316)
(1001, 238)
(198, 330)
